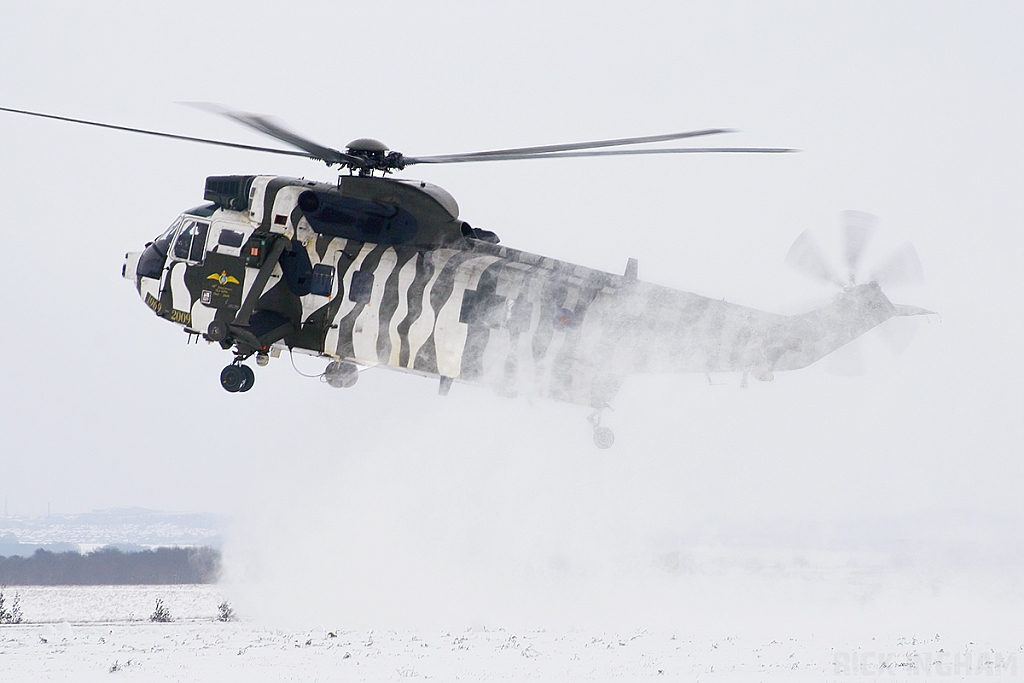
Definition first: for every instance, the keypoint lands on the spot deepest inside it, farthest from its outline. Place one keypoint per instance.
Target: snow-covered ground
(337, 606)
(103, 633)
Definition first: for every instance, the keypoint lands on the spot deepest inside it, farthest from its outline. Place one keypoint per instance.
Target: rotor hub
(375, 154)
(366, 145)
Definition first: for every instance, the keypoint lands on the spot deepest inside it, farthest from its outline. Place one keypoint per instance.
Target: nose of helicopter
(130, 265)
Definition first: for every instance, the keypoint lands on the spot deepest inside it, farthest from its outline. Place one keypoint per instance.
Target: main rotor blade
(858, 227)
(463, 158)
(567, 147)
(189, 138)
(267, 126)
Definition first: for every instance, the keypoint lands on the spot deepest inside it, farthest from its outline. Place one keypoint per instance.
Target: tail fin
(803, 339)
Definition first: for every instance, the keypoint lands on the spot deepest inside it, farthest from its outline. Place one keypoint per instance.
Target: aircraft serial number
(181, 317)
(176, 316)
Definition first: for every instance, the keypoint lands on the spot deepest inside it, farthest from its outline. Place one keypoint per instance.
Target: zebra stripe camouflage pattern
(477, 312)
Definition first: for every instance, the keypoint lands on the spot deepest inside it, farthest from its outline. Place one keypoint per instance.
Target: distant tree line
(111, 567)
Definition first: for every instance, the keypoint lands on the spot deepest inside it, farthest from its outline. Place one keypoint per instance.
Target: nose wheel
(237, 377)
(603, 437)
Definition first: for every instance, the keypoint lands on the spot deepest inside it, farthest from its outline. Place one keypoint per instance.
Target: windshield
(163, 242)
(151, 263)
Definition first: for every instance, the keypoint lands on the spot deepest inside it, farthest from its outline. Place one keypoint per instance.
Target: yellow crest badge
(223, 278)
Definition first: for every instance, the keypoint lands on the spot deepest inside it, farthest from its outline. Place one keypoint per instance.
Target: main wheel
(603, 437)
(341, 375)
(248, 377)
(232, 378)
(217, 331)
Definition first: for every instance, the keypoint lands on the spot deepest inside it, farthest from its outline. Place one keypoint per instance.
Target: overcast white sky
(911, 111)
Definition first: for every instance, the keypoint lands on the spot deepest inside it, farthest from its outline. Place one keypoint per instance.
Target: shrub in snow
(12, 615)
(16, 609)
(161, 613)
(224, 612)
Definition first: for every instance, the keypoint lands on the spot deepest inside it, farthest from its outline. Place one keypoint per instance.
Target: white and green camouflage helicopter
(375, 271)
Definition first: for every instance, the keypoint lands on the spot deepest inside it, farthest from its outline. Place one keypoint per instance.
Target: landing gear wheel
(217, 331)
(341, 375)
(248, 376)
(232, 378)
(603, 437)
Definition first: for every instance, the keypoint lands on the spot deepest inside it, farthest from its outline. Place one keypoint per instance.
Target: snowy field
(103, 633)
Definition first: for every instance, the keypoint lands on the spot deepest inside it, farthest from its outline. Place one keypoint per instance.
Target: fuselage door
(222, 275)
(188, 250)
(190, 244)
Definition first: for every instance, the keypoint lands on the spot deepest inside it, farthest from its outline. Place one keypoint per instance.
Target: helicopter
(380, 271)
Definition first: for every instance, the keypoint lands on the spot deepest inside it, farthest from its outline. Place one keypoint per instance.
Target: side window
(230, 238)
(198, 242)
(191, 241)
(183, 244)
(362, 287)
(323, 280)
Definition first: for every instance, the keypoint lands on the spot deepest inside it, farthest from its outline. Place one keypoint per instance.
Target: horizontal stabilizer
(903, 310)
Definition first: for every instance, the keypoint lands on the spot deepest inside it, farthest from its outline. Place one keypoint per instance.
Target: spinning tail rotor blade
(805, 256)
(902, 268)
(876, 350)
(858, 227)
(897, 333)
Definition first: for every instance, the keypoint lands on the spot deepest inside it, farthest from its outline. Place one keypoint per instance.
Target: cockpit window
(164, 240)
(151, 263)
(191, 242)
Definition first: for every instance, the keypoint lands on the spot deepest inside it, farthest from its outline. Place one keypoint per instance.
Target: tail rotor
(850, 248)
(902, 267)
(856, 232)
